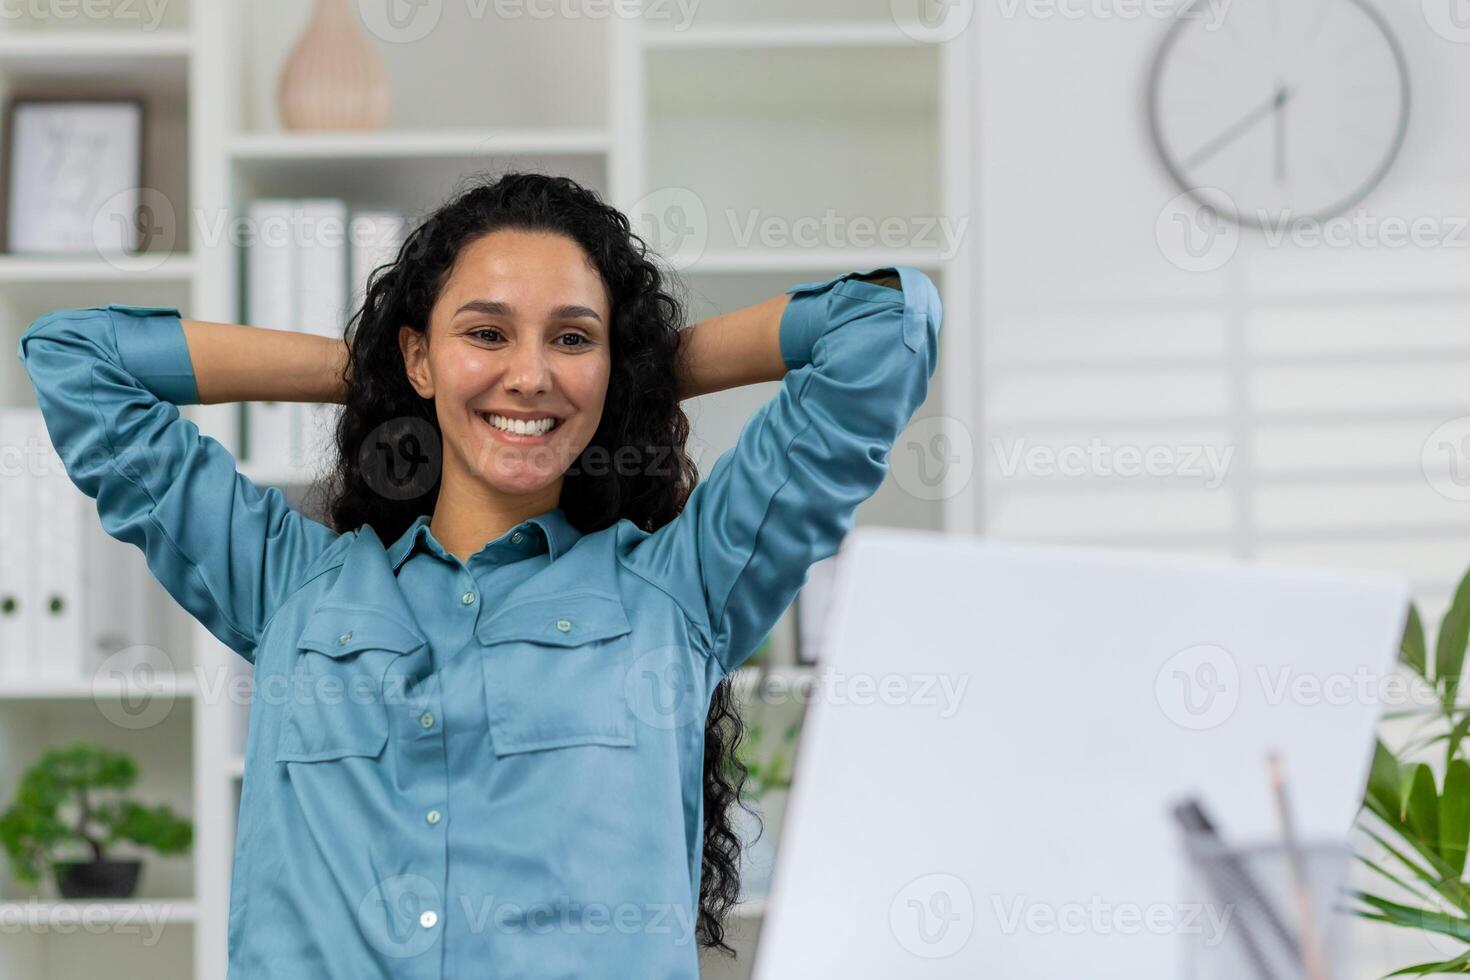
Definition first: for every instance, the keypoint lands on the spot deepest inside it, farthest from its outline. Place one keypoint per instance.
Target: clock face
(1273, 110)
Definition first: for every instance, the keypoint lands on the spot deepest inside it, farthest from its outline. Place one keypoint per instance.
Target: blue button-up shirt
(491, 767)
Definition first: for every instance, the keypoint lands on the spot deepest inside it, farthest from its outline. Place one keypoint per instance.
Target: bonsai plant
(1420, 819)
(57, 807)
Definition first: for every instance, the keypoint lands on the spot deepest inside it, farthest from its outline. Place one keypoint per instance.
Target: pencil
(1312, 956)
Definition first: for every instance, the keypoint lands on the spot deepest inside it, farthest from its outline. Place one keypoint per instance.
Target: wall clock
(1272, 110)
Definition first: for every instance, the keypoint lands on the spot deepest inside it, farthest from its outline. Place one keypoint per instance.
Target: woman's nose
(528, 372)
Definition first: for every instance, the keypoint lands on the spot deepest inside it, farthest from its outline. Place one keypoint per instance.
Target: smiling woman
(520, 333)
(494, 710)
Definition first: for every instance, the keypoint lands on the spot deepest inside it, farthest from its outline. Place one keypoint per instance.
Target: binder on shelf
(321, 308)
(16, 559)
(58, 647)
(377, 235)
(125, 606)
(308, 269)
(270, 272)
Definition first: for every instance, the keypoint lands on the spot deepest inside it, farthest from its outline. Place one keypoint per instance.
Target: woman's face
(518, 340)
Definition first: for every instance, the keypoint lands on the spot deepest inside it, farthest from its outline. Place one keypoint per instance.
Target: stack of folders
(75, 602)
(307, 266)
(42, 633)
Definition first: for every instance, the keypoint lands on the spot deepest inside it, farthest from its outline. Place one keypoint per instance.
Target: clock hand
(1236, 131)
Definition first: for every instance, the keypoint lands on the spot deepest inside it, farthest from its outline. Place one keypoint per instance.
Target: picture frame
(73, 175)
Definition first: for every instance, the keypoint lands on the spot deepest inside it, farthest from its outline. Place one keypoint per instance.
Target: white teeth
(535, 427)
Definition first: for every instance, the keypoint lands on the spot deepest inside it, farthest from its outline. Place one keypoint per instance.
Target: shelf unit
(759, 108)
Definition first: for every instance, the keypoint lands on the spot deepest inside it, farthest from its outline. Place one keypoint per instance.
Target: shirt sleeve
(108, 381)
(859, 357)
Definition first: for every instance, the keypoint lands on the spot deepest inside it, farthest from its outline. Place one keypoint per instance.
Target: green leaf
(1430, 920)
(1454, 815)
(1455, 737)
(1399, 882)
(1460, 964)
(1439, 878)
(1423, 808)
(1386, 782)
(1449, 648)
(1412, 648)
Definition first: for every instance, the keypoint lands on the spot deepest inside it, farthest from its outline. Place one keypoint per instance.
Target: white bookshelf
(785, 108)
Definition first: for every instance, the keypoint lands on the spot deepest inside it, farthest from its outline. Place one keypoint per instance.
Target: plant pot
(97, 879)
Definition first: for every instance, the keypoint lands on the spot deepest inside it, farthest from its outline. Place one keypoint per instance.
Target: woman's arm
(742, 347)
(858, 357)
(109, 381)
(236, 363)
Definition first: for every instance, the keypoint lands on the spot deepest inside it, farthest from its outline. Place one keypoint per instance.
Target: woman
(491, 716)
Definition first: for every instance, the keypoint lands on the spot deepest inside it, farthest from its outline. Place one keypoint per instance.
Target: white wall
(1321, 370)
(1322, 374)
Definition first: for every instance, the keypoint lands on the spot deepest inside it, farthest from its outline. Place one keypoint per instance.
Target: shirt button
(433, 816)
(342, 640)
(427, 719)
(517, 538)
(563, 624)
(428, 919)
(467, 598)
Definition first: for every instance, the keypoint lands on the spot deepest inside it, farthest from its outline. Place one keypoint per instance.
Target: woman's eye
(491, 335)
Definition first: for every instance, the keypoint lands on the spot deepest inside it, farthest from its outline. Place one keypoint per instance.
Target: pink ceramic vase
(334, 78)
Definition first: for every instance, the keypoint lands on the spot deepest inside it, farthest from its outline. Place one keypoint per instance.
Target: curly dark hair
(641, 409)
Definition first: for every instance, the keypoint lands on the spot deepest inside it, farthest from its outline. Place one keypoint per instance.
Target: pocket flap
(565, 620)
(341, 630)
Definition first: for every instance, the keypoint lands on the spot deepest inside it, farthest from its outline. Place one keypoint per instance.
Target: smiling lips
(523, 428)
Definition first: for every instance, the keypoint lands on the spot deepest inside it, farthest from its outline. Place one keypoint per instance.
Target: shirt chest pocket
(340, 689)
(556, 672)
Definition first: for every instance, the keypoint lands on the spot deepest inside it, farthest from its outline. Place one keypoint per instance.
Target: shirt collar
(558, 532)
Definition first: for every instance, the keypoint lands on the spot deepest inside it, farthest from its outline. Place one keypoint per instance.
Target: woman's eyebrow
(496, 307)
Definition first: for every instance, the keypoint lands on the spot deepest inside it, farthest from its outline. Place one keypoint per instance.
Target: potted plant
(74, 796)
(1418, 817)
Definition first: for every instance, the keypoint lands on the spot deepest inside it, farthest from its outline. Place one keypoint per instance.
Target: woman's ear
(416, 360)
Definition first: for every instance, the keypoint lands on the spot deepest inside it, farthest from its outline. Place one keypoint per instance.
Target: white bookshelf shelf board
(73, 912)
(86, 688)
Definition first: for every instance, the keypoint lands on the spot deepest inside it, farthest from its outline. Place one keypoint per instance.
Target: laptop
(984, 779)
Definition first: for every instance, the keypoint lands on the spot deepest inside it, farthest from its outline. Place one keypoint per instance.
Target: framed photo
(73, 172)
(813, 603)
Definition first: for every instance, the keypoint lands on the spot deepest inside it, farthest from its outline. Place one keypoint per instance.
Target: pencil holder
(1266, 912)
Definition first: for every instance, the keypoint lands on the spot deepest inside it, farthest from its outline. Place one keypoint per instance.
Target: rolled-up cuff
(151, 346)
(807, 317)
